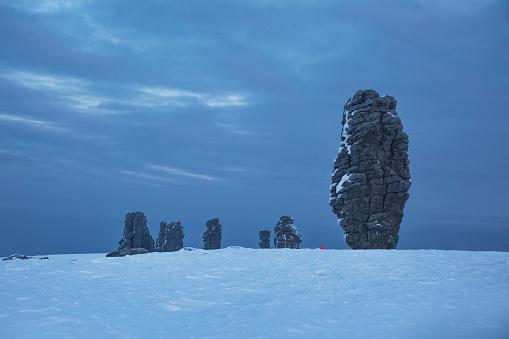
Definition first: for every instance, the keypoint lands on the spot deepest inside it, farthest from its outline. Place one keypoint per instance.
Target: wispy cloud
(180, 172)
(139, 42)
(167, 96)
(237, 169)
(40, 124)
(143, 175)
(15, 154)
(40, 81)
(97, 32)
(80, 94)
(47, 6)
(75, 92)
(234, 128)
(226, 100)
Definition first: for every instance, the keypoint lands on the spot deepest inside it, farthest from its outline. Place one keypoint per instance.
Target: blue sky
(191, 110)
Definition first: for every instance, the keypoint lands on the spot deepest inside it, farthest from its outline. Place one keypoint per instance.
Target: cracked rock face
(264, 239)
(171, 237)
(286, 234)
(136, 232)
(212, 235)
(371, 175)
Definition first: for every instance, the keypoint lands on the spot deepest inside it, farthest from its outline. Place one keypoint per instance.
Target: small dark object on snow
(285, 234)
(127, 251)
(43, 258)
(17, 256)
(212, 235)
(264, 239)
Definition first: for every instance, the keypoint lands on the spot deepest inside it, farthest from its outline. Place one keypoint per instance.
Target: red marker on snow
(322, 247)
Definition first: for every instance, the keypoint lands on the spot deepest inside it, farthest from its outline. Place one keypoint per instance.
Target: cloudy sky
(197, 109)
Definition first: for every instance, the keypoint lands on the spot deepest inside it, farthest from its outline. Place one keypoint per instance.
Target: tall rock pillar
(171, 237)
(136, 232)
(212, 235)
(264, 239)
(371, 177)
(286, 234)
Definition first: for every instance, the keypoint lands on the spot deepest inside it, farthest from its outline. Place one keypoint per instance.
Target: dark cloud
(190, 110)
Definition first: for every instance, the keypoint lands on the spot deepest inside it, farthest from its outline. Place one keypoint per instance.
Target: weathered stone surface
(371, 176)
(264, 239)
(171, 237)
(22, 257)
(136, 232)
(212, 235)
(127, 251)
(285, 234)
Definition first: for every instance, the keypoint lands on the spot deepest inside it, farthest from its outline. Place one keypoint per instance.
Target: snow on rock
(253, 293)
(343, 180)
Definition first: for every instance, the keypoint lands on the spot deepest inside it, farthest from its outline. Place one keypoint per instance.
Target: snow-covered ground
(244, 293)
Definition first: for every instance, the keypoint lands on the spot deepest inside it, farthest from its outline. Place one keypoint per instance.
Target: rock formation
(127, 251)
(136, 232)
(285, 234)
(212, 235)
(22, 257)
(264, 239)
(371, 175)
(171, 237)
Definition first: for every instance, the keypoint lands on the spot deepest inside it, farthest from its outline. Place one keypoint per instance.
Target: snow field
(253, 293)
